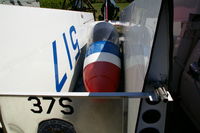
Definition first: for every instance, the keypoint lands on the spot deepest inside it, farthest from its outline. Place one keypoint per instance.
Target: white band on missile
(104, 57)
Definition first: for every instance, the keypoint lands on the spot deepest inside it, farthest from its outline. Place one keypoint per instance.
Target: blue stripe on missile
(103, 46)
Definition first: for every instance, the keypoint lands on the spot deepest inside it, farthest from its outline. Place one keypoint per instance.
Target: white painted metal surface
(141, 17)
(86, 114)
(39, 47)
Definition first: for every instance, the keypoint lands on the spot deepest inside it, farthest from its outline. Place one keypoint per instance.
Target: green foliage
(57, 4)
(122, 5)
(98, 6)
(101, 1)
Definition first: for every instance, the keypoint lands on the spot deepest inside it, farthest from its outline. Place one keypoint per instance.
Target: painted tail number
(63, 103)
(75, 50)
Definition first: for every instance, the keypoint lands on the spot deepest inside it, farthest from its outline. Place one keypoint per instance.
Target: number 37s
(63, 102)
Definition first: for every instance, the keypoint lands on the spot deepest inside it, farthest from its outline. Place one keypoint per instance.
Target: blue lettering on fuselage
(59, 84)
(67, 49)
(75, 45)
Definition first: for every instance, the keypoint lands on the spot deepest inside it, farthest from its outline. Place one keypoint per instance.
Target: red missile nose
(101, 77)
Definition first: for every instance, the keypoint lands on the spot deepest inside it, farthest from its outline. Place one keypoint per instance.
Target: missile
(102, 64)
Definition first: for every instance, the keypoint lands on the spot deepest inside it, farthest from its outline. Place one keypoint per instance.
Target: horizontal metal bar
(85, 94)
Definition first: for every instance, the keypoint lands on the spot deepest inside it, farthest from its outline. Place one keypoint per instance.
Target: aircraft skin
(39, 50)
(42, 53)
